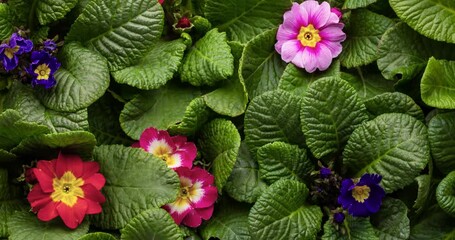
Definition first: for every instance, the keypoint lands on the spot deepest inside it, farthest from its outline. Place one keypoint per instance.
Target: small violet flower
(310, 36)
(176, 151)
(49, 45)
(42, 69)
(362, 197)
(67, 187)
(161, 1)
(10, 51)
(325, 172)
(196, 197)
(338, 217)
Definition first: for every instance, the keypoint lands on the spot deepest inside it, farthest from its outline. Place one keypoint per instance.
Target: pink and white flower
(176, 151)
(196, 197)
(310, 36)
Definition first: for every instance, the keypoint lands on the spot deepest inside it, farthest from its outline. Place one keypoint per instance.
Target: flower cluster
(197, 194)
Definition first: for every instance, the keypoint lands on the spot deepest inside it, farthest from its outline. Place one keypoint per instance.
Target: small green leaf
(152, 224)
(10, 201)
(438, 84)
(357, 229)
(423, 192)
(20, 10)
(368, 85)
(445, 194)
(49, 11)
(281, 211)
(151, 72)
(441, 133)
(230, 99)
(135, 181)
(392, 222)
(352, 4)
(393, 145)
(6, 26)
(230, 223)
(435, 225)
(219, 143)
(395, 102)
(6, 157)
(196, 115)
(97, 236)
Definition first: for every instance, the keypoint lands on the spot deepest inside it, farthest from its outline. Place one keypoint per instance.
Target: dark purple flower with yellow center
(325, 172)
(10, 51)
(42, 69)
(362, 197)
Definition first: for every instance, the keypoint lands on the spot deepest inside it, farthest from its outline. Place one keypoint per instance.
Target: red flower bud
(184, 22)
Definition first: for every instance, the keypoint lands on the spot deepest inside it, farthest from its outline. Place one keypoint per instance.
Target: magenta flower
(196, 198)
(310, 36)
(176, 151)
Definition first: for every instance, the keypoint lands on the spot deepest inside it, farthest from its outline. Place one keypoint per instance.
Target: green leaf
(160, 108)
(219, 143)
(432, 18)
(6, 157)
(438, 84)
(435, 225)
(404, 53)
(331, 110)
(25, 225)
(81, 80)
(135, 181)
(49, 11)
(121, 31)
(358, 229)
(273, 116)
(13, 130)
(423, 192)
(152, 224)
(243, 20)
(392, 222)
(6, 27)
(393, 102)
(229, 100)
(363, 35)
(281, 211)
(352, 4)
(441, 134)
(445, 194)
(9, 201)
(244, 184)
(261, 66)
(208, 61)
(368, 85)
(20, 10)
(393, 145)
(151, 72)
(97, 236)
(196, 115)
(230, 223)
(280, 160)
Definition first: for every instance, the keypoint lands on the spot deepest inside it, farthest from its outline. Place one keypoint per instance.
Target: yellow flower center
(43, 72)
(9, 52)
(67, 189)
(164, 152)
(309, 36)
(184, 192)
(361, 193)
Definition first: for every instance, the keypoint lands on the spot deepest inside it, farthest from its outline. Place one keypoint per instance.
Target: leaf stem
(363, 81)
(31, 16)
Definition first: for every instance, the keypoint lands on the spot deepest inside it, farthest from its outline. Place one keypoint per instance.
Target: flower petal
(324, 56)
(178, 140)
(73, 216)
(90, 168)
(44, 180)
(290, 49)
(292, 19)
(192, 219)
(97, 180)
(321, 15)
(298, 60)
(334, 47)
(206, 213)
(136, 145)
(201, 175)
(48, 167)
(93, 207)
(178, 217)
(153, 138)
(90, 192)
(358, 210)
(333, 33)
(48, 212)
(37, 198)
(208, 199)
(310, 59)
(310, 7)
(370, 179)
(68, 162)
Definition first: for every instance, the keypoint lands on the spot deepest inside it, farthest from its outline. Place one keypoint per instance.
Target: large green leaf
(20, 10)
(393, 102)
(6, 27)
(81, 80)
(196, 115)
(331, 110)
(367, 84)
(120, 30)
(230, 99)
(243, 20)
(432, 18)
(281, 211)
(273, 116)
(441, 133)
(230, 223)
(6, 157)
(49, 11)
(219, 143)
(152, 224)
(438, 84)
(435, 225)
(363, 33)
(9, 201)
(260, 66)
(356, 228)
(280, 160)
(445, 193)
(157, 108)
(393, 145)
(151, 72)
(352, 4)
(135, 181)
(392, 222)
(97, 236)
(404, 53)
(25, 225)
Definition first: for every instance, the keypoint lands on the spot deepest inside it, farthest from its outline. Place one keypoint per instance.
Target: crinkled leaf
(121, 31)
(208, 61)
(160, 108)
(151, 72)
(441, 133)
(368, 85)
(393, 145)
(280, 160)
(196, 115)
(359, 229)
(331, 110)
(9, 201)
(432, 18)
(243, 20)
(81, 80)
(230, 223)
(49, 11)
(261, 66)
(392, 222)
(423, 192)
(135, 181)
(97, 236)
(435, 225)
(6, 157)
(352, 4)
(230, 99)
(438, 83)
(281, 211)
(20, 10)
(445, 194)
(273, 116)
(363, 34)
(6, 26)
(219, 143)
(393, 102)
(150, 225)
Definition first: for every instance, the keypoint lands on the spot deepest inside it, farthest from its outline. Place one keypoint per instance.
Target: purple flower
(49, 45)
(325, 172)
(42, 69)
(310, 36)
(338, 217)
(362, 197)
(14, 47)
